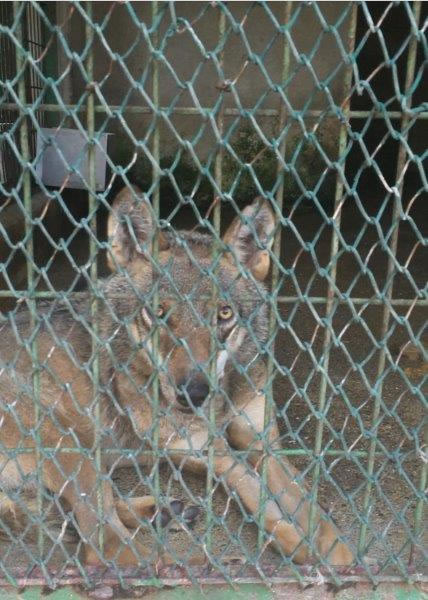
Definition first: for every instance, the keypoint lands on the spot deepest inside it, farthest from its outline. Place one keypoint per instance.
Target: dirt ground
(350, 397)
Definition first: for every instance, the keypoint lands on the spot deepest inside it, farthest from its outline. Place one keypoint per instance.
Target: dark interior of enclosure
(394, 28)
(362, 262)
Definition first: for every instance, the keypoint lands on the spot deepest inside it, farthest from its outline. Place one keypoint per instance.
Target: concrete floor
(392, 502)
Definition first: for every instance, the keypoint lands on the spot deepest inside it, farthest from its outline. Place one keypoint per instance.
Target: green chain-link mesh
(316, 108)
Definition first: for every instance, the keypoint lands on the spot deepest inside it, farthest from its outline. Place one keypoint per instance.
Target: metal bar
(370, 301)
(190, 110)
(51, 11)
(62, 64)
(390, 272)
(11, 452)
(276, 249)
(338, 201)
(155, 253)
(19, 11)
(218, 174)
(18, 294)
(173, 576)
(93, 259)
(421, 503)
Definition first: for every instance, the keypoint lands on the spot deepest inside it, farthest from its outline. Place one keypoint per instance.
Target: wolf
(170, 358)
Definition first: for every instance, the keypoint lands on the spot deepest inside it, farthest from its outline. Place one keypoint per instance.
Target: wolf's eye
(225, 313)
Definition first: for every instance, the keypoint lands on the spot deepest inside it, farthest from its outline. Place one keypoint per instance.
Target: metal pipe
(270, 415)
(19, 9)
(128, 452)
(155, 254)
(218, 175)
(390, 272)
(172, 576)
(204, 110)
(417, 302)
(337, 214)
(93, 259)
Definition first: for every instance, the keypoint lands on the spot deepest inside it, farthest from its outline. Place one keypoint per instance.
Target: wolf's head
(205, 300)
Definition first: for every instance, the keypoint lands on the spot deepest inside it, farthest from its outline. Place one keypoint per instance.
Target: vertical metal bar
(218, 174)
(386, 314)
(34, 50)
(93, 251)
(61, 13)
(54, 12)
(276, 250)
(218, 166)
(155, 254)
(38, 38)
(18, 15)
(420, 505)
(334, 246)
(9, 165)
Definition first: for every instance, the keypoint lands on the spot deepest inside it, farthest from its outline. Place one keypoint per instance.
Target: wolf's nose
(195, 390)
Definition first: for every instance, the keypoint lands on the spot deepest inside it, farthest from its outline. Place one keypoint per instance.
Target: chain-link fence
(213, 284)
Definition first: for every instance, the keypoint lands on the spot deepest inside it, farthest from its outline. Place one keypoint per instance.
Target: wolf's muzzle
(193, 391)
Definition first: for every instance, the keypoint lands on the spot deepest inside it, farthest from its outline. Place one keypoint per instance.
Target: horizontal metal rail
(22, 294)
(132, 452)
(188, 110)
(174, 576)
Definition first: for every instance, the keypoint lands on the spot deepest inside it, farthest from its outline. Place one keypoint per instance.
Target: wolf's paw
(133, 511)
(184, 515)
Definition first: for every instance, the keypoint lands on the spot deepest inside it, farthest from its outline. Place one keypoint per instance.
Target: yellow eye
(225, 313)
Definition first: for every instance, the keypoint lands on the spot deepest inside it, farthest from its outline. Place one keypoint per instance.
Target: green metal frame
(88, 104)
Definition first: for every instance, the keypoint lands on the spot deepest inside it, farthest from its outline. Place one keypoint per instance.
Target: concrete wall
(189, 76)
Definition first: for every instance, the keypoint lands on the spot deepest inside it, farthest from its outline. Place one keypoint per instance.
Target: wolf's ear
(130, 228)
(250, 237)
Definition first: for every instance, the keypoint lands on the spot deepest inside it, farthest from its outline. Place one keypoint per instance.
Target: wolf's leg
(74, 478)
(281, 480)
(241, 478)
(133, 510)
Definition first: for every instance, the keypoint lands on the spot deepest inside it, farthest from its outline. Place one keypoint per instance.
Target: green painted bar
(276, 250)
(390, 272)
(337, 212)
(281, 299)
(19, 9)
(155, 251)
(243, 591)
(190, 110)
(240, 453)
(93, 258)
(216, 251)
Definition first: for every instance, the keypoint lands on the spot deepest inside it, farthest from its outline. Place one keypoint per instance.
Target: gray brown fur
(127, 355)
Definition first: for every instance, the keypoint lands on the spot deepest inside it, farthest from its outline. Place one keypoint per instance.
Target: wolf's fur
(175, 292)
